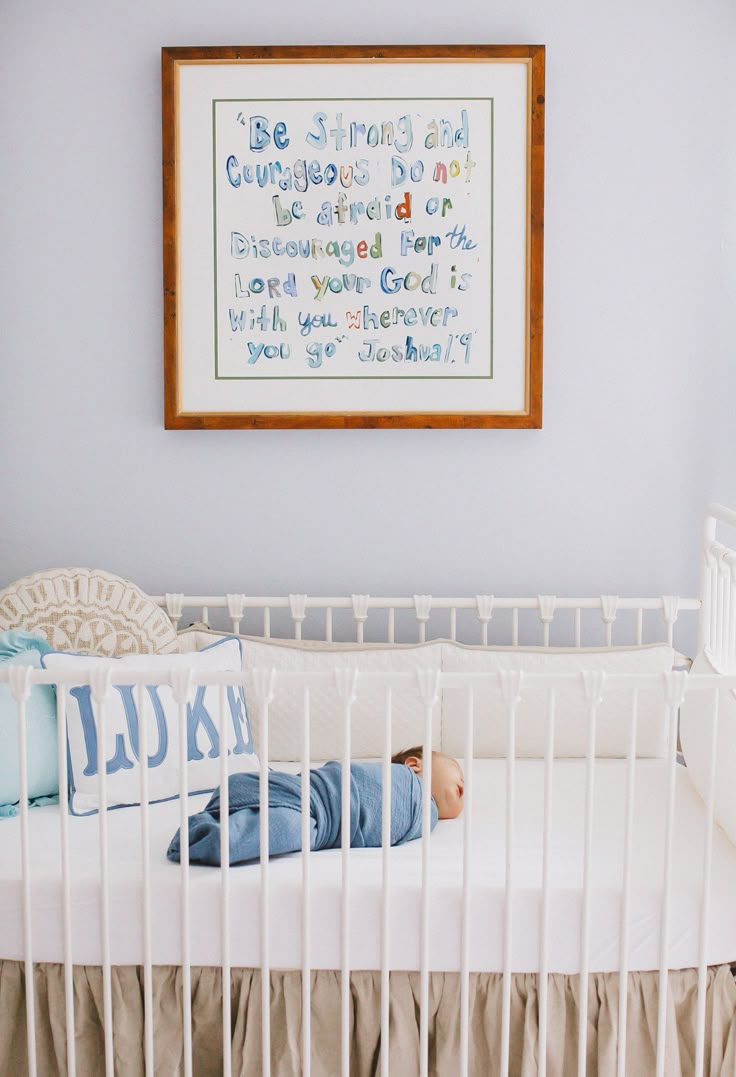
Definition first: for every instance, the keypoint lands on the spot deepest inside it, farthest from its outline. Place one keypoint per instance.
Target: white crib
(560, 872)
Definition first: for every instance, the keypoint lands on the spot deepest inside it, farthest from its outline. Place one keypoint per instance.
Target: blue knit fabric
(284, 813)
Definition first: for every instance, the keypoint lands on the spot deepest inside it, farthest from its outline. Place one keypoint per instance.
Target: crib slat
(549, 753)
(345, 894)
(225, 884)
(712, 583)
(71, 1063)
(306, 895)
(424, 956)
(20, 686)
(587, 857)
(623, 974)
(186, 965)
(467, 879)
(715, 592)
(386, 883)
(667, 881)
(360, 605)
(146, 872)
(721, 637)
(508, 886)
(265, 923)
(705, 900)
(105, 885)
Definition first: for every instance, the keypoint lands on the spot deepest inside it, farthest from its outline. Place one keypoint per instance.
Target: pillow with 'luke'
(122, 749)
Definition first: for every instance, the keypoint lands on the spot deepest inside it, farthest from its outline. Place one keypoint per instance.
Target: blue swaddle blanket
(284, 814)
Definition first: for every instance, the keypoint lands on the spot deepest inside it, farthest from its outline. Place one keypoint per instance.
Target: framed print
(353, 236)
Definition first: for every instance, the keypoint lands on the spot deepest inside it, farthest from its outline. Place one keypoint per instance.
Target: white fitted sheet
(487, 897)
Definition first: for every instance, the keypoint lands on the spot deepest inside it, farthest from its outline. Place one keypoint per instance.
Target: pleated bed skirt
(286, 1022)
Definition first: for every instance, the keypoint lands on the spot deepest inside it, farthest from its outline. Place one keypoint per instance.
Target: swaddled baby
(325, 797)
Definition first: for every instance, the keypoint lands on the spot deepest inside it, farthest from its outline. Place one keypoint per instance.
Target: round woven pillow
(87, 610)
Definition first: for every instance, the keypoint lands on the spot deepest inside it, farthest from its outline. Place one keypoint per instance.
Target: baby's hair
(408, 753)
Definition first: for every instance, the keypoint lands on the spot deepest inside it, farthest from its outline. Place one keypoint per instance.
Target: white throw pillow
(696, 738)
(571, 709)
(326, 711)
(122, 749)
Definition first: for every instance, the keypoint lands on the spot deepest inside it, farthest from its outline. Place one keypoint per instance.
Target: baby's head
(447, 779)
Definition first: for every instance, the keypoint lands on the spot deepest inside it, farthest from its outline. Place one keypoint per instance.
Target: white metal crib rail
(668, 607)
(347, 682)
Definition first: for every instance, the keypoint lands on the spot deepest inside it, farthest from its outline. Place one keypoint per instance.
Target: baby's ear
(413, 763)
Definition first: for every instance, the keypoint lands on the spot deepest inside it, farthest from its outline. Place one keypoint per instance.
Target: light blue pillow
(25, 649)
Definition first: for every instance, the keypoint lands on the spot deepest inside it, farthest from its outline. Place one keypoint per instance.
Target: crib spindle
(71, 1064)
(235, 609)
(484, 609)
(100, 685)
(705, 898)
(549, 755)
(720, 645)
(670, 610)
(710, 570)
(547, 604)
(731, 648)
(20, 688)
(298, 607)
(360, 614)
(174, 606)
(263, 683)
(467, 879)
(181, 679)
(423, 609)
(713, 619)
(593, 685)
(386, 884)
(225, 883)
(511, 687)
(345, 680)
(306, 894)
(146, 873)
(609, 607)
(674, 691)
(623, 974)
(428, 688)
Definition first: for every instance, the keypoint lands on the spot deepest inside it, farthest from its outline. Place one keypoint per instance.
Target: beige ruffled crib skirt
(286, 1016)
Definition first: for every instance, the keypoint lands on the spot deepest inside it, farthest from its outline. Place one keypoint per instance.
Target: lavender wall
(639, 323)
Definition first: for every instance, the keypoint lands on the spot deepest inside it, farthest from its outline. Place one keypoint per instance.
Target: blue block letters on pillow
(122, 750)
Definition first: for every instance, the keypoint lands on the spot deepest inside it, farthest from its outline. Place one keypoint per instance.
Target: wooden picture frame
(353, 236)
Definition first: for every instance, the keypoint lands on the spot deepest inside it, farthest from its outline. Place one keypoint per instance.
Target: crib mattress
(446, 895)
